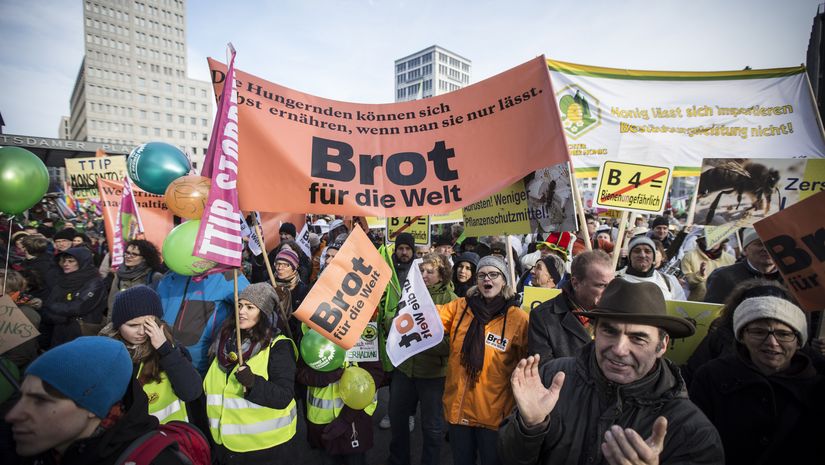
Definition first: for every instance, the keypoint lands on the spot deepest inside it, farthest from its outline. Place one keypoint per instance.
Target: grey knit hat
(775, 308)
(496, 262)
(748, 236)
(641, 240)
(263, 296)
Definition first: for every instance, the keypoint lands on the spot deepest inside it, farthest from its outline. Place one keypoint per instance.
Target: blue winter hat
(93, 371)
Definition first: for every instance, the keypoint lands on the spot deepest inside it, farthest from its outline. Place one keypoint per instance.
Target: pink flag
(219, 237)
(127, 225)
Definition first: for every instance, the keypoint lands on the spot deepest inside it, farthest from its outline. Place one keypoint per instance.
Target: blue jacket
(196, 319)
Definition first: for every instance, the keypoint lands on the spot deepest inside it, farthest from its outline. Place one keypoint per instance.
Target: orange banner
(344, 298)
(795, 238)
(156, 217)
(306, 154)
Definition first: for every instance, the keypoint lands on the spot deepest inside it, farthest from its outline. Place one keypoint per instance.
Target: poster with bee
(742, 191)
(701, 314)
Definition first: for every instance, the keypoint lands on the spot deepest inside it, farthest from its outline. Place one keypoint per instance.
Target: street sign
(418, 226)
(632, 187)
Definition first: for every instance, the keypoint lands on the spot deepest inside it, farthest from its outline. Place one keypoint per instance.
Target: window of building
(157, 131)
(427, 57)
(400, 67)
(169, 117)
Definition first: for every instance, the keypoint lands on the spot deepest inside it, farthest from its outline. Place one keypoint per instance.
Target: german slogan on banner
(303, 153)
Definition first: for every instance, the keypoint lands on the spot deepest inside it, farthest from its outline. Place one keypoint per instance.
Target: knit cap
(288, 228)
(288, 255)
(659, 221)
(498, 263)
(749, 236)
(641, 240)
(263, 296)
(405, 239)
(67, 234)
(775, 308)
(135, 302)
(555, 267)
(93, 371)
(469, 257)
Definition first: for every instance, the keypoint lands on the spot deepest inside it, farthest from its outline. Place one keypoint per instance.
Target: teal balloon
(24, 180)
(321, 354)
(178, 247)
(154, 165)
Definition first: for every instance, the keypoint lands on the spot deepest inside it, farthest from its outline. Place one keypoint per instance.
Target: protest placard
(633, 187)
(701, 314)
(418, 226)
(366, 349)
(307, 154)
(535, 296)
(345, 297)
(15, 328)
(795, 238)
(83, 173)
(504, 212)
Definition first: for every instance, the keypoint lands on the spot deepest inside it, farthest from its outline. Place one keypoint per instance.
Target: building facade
(132, 86)
(432, 71)
(815, 59)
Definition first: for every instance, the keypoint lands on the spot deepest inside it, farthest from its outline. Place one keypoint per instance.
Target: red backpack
(185, 440)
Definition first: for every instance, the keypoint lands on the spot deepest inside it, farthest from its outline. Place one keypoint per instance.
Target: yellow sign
(716, 234)
(452, 217)
(83, 173)
(632, 187)
(701, 314)
(418, 226)
(376, 222)
(501, 213)
(535, 296)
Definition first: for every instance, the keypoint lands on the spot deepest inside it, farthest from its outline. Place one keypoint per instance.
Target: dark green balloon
(321, 354)
(24, 179)
(154, 165)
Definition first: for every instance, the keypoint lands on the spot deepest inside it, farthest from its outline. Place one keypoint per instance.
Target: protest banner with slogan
(504, 212)
(742, 191)
(83, 173)
(795, 238)
(701, 314)
(15, 328)
(344, 298)
(535, 296)
(127, 226)
(366, 349)
(451, 217)
(157, 219)
(677, 118)
(632, 187)
(309, 154)
(418, 226)
(417, 325)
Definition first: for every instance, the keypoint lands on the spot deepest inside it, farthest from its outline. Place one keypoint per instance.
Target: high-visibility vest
(324, 404)
(241, 425)
(163, 402)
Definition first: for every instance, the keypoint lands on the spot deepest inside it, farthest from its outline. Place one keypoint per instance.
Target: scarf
(72, 282)
(288, 283)
(712, 254)
(130, 273)
(227, 348)
(567, 291)
(634, 272)
(472, 349)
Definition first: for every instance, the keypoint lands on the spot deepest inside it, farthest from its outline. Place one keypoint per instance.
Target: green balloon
(178, 247)
(357, 388)
(321, 354)
(24, 179)
(154, 165)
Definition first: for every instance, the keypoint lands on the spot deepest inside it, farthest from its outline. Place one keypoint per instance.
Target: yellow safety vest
(241, 425)
(163, 402)
(324, 404)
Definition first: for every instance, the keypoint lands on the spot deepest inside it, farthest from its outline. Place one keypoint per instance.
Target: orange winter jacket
(491, 399)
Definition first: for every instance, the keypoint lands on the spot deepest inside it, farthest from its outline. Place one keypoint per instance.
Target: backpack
(184, 439)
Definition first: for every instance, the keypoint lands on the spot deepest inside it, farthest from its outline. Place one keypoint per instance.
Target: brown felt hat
(639, 303)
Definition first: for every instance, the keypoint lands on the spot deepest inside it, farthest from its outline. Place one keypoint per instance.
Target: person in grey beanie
(640, 268)
(765, 399)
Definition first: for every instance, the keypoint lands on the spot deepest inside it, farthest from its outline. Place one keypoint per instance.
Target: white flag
(303, 240)
(246, 231)
(417, 325)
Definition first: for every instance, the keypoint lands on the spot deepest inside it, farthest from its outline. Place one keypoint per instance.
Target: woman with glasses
(488, 336)
(141, 266)
(765, 399)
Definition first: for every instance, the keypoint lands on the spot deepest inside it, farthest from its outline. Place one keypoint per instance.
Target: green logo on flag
(579, 111)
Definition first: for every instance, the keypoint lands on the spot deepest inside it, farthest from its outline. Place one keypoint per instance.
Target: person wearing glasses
(765, 399)
(141, 266)
(488, 336)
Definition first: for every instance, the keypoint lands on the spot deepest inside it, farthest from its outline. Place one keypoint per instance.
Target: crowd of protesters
(581, 378)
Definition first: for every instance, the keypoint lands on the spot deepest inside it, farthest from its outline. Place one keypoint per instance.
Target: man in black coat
(758, 263)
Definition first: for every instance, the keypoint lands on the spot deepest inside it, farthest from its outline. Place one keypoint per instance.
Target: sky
(345, 50)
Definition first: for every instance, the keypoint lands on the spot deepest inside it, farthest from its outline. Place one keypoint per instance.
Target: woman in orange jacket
(488, 337)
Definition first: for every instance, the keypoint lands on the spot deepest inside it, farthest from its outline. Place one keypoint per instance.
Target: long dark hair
(149, 253)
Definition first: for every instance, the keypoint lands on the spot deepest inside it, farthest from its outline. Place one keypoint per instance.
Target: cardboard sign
(83, 173)
(504, 212)
(632, 187)
(307, 154)
(795, 238)
(344, 298)
(15, 328)
(701, 314)
(366, 349)
(535, 296)
(418, 226)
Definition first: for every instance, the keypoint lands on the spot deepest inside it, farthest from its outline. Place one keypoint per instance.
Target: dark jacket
(722, 280)
(763, 419)
(151, 279)
(41, 273)
(105, 448)
(589, 404)
(432, 363)
(62, 310)
(554, 331)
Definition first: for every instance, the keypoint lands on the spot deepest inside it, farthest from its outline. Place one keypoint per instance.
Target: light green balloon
(24, 179)
(321, 354)
(178, 247)
(357, 388)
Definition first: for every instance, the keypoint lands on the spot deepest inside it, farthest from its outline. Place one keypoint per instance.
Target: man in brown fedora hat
(614, 401)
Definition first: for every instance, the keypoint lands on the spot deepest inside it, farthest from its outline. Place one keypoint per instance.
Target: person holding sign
(618, 400)
(488, 336)
(766, 398)
(640, 268)
(251, 407)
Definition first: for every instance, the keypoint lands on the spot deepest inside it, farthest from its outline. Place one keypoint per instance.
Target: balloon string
(8, 259)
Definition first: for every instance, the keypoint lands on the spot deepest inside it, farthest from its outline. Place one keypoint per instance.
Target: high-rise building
(815, 59)
(432, 71)
(64, 131)
(132, 85)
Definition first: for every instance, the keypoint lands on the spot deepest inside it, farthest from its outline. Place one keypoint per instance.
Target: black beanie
(134, 302)
(405, 239)
(288, 228)
(68, 233)
(660, 221)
